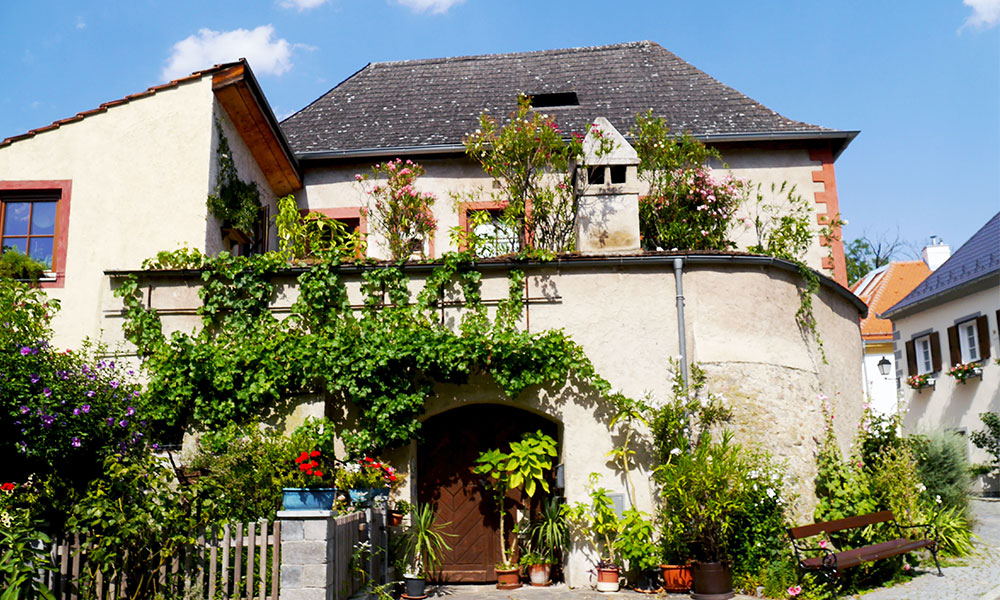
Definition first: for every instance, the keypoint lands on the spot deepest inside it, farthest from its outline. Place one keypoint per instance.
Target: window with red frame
(28, 223)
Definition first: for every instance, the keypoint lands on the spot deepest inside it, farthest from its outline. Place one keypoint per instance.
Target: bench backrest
(840, 524)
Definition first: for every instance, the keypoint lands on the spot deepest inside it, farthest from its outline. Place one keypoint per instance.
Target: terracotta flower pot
(395, 519)
(607, 580)
(508, 579)
(711, 581)
(676, 578)
(538, 575)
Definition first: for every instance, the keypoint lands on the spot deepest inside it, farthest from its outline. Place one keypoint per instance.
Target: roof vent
(553, 100)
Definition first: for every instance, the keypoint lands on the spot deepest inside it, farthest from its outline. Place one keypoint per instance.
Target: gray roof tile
(438, 101)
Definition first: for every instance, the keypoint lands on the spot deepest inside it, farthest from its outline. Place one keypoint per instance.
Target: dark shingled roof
(977, 260)
(434, 103)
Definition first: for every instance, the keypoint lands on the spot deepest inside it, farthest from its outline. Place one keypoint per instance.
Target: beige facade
(740, 323)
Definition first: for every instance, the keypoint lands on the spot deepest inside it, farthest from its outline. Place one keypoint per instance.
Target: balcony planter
(964, 371)
(308, 498)
(919, 382)
(676, 578)
(368, 496)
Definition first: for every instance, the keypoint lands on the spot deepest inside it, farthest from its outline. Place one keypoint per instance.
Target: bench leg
(934, 553)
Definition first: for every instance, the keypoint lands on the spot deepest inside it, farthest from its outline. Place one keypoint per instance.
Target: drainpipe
(681, 337)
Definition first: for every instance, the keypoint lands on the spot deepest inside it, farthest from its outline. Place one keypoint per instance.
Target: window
(923, 354)
(969, 340)
(34, 218)
(484, 220)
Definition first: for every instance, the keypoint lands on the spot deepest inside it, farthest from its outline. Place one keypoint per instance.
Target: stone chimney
(936, 253)
(606, 183)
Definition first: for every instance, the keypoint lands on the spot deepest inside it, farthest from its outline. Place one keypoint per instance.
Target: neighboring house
(110, 187)
(951, 318)
(139, 171)
(880, 289)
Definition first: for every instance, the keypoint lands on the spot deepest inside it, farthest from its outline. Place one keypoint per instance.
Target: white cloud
(301, 5)
(80, 23)
(985, 14)
(267, 56)
(434, 6)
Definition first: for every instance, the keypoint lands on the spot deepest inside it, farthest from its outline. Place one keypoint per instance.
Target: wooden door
(445, 458)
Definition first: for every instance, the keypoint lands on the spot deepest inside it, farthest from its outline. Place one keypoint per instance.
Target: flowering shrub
(396, 210)
(686, 207)
(312, 469)
(528, 160)
(919, 381)
(21, 552)
(367, 473)
(963, 371)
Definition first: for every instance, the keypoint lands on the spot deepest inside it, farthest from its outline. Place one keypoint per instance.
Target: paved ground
(974, 578)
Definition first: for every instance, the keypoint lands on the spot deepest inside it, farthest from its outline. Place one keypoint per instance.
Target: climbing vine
(380, 360)
(235, 201)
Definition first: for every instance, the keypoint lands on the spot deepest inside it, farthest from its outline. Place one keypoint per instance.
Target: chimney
(936, 253)
(606, 184)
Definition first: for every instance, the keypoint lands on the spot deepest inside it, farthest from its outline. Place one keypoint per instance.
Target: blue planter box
(368, 495)
(308, 498)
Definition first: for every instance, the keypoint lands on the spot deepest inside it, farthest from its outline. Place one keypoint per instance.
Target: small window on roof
(554, 99)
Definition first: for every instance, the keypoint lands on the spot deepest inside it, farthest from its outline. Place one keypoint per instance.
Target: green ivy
(381, 361)
(235, 201)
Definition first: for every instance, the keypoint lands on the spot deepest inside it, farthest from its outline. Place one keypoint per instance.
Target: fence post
(307, 554)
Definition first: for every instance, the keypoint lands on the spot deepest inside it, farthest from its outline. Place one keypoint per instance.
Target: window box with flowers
(964, 371)
(918, 382)
(368, 481)
(313, 478)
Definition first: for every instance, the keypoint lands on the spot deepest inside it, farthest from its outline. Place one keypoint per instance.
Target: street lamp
(883, 366)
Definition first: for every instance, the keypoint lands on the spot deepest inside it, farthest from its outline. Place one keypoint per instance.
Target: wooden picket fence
(240, 561)
(349, 530)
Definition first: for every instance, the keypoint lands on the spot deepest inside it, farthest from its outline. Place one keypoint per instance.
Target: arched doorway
(445, 458)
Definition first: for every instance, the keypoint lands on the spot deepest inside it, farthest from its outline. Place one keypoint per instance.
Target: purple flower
(85, 408)
(25, 350)
(129, 411)
(110, 421)
(90, 393)
(35, 378)
(155, 446)
(75, 442)
(47, 420)
(123, 423)
(76, 412)
(47, 392)
(25, 410)
(114, 383)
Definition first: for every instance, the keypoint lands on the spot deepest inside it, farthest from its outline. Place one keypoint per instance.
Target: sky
(919, 79)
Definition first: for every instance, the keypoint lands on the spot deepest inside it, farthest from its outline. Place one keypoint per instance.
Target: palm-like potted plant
(526, 467)
(546, 534)
(424, 541)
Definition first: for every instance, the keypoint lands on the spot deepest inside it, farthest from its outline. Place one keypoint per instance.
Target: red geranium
(7, 487)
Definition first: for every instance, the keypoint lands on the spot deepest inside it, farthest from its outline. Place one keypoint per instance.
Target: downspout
(681, 336)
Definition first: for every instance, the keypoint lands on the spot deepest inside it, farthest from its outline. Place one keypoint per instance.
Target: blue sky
(920, 79)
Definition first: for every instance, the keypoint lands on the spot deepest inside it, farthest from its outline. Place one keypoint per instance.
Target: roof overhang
(969, 287)
(240, 95)
(837, 140)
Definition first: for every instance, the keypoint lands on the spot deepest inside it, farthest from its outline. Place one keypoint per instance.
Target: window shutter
(983, 329)
(954, 348)
(911, 358)
(936, 351)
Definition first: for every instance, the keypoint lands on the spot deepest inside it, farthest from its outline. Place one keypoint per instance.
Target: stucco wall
(335, 187)
(741, 326)
(950, 404)
(139, 172)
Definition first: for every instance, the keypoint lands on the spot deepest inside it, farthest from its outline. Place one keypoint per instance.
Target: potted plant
(310, 482)
(702, 489)
(546, 534)
(367, 481)
(676, 566)
(963, 371)
(525, 467)
(918, 382)
(598, 523)
(401, 508)
(424, 541)
(636, 548)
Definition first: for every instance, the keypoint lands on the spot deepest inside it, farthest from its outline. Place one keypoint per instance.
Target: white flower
(675, 451)
(921, 487)
(770, 493)
(937, 499)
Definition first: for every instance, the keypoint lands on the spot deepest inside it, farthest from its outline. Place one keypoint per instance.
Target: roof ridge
(495, 55)
(104, 106)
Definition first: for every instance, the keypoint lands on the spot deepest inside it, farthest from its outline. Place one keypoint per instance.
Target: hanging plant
(235, 202)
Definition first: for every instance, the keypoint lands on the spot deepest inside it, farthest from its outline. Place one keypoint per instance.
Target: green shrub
(15, 265)
(943, 468)
(988, 440)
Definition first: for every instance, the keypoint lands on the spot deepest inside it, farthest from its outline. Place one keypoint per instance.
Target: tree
(867, 253)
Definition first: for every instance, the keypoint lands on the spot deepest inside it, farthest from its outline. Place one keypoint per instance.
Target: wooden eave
(240, 96)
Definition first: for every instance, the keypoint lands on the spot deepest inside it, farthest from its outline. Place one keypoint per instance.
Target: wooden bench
(832, 563)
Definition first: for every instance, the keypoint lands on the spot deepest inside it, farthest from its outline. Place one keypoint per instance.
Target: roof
(420, 105)
(884, 287)
(975, 265)
(240, 95)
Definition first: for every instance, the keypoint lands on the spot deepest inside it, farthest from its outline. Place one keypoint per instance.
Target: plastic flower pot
(308, 498)
(648, 582)
(676, 578)
(538, 575)
(508, 579)
(415, 587)
(711, 581)
(366, 496)
(607, 579)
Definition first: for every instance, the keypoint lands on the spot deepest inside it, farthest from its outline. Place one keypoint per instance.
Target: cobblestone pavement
(973, 578)
(555, 592)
